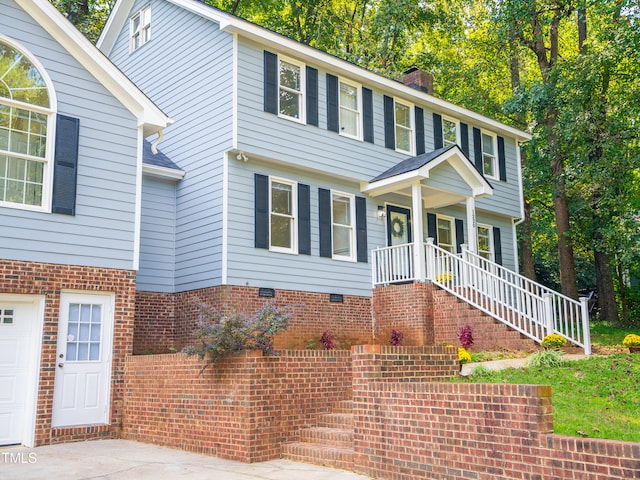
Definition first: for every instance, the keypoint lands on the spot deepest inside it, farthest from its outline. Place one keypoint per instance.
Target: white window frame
(293, 216)
(411, 128)
(302, 93)
(494, 156)
(452, 226)
(47, 160)
(144, 30)
(352, 227)
(358, 111)
(446, 143)
(490, 252)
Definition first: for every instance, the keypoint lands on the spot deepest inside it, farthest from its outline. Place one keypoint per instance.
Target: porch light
(381, 212)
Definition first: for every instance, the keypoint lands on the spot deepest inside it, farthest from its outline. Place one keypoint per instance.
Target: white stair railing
(526, 306)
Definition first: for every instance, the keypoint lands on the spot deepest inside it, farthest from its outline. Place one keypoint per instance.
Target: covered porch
(443, 178)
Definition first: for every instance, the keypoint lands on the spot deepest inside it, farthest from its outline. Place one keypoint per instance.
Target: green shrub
(220, 335)
(546, 359)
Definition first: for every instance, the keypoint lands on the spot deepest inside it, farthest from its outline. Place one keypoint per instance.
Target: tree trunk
(604, 281)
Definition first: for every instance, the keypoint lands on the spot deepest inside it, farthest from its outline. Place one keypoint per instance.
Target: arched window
(26, 120)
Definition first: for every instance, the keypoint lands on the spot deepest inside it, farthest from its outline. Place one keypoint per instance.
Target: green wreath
(397, 228)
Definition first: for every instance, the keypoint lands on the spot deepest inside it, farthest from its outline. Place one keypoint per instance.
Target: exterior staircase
(329, 443)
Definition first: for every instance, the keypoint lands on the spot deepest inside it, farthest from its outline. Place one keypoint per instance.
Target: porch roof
(421, 168)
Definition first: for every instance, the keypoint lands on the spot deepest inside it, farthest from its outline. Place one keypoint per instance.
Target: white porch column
(418, 229)
(472, 226)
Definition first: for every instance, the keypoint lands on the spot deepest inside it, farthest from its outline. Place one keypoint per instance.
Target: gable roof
(421, 168)
(148, 114)
(232, 24)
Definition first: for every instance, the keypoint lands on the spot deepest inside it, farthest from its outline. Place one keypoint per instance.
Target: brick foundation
(30, 278)
(428, 315)
(312, 314)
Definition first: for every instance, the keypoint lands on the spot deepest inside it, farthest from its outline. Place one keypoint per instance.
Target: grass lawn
(598, 397)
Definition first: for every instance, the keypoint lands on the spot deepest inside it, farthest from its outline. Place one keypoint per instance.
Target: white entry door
(83, 360)
(20, 323)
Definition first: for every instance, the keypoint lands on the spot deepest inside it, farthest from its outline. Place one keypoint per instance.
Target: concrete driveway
(118, 459)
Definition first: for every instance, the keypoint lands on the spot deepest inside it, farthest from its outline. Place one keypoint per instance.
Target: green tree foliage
(88, 16)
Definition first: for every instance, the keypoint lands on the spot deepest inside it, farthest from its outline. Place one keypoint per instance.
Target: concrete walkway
(468, 368)
(120, 459)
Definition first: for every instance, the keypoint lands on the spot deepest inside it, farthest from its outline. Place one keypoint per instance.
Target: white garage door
(18, 370)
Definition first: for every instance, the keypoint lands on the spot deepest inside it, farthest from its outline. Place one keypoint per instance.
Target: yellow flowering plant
(631, 340)
(463, 355)
(554, 340)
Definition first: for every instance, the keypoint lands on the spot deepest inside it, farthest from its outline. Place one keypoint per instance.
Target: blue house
(278, 173)
(72, 131)
(313, 182)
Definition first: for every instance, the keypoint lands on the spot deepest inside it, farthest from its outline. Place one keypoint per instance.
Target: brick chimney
(418, 79)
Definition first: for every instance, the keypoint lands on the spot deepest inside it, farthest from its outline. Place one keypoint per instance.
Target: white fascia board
(112, 27)
(148, 115)
(390, 184)
(162, 172)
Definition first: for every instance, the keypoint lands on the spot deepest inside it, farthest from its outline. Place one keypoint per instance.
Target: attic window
(140, 28)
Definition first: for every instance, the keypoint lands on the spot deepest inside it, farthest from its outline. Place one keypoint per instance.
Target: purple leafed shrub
(327, 341)
(466, 337)
(396, 337)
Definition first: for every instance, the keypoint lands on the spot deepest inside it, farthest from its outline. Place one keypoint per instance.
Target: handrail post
(374, 269)
(584, 310)
(548, 312)
(464, 265)
(430, 259)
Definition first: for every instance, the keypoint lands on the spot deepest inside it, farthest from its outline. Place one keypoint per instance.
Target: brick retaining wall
(406, 430)
(243, 409)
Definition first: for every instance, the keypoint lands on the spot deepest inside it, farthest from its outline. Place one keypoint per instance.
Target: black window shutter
(477, 149)
(459, 234)
(389, 124)
(464, 138)
(367, 114)
(270, 82)
(502, 161)
(333, 122)
(438, 141)
(324, 212)
(261, 211)
(432, 227)
(312, 96)
(65, 165)
(497, 245)
(361, 229)
(304, 220)
(420, 146)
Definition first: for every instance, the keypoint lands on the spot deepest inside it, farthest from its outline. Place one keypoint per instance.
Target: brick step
(331, 437)
(336, 420)
(337, 457)
(343, 406)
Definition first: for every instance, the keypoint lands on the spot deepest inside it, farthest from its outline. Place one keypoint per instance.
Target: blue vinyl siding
(263, 268)
(157, 236)
(102, 231)
(189, 75)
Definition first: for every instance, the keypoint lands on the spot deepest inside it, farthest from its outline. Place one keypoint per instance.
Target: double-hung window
(350, 106)
(291, 89)
(140, 28)
(342, 226)
(26, 120)
(403, 127)
(489, 157)
(282, 218)
(449, 132)
(446, 233)
(485, 241)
